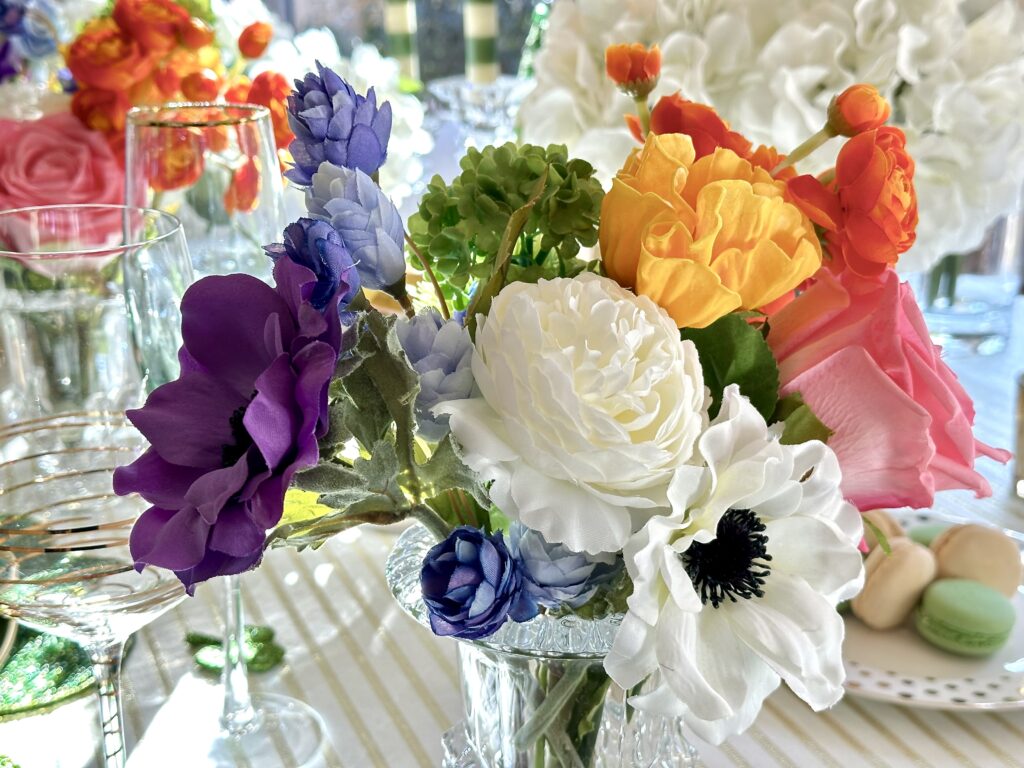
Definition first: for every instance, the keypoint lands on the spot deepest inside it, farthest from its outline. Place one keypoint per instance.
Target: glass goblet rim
(173, 228)
(151, 116)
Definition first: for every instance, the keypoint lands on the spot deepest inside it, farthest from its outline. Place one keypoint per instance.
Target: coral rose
(155, 24)
(703, 237)
(857, 109)
(54, 160)
(633, 67)
(901, 421)
(104, 56)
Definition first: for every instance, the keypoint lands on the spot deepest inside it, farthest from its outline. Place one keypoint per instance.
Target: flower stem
(644, 113)
(432, 521)
(805, 149)
(431, 276)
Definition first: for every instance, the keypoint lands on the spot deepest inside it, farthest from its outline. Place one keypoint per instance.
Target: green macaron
(965, 617)
(927, 533)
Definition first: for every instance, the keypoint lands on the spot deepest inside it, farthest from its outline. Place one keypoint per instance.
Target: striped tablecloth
(387, 688)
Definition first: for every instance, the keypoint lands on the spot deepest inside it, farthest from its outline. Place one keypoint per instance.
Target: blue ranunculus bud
(471, 585)
(334, 123)
(553, 574)
(318, 246)
(441, 352)
(368, 222)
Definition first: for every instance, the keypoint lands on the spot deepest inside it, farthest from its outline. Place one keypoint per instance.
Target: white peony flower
(590, 405)
(737, 588)
(951, 70)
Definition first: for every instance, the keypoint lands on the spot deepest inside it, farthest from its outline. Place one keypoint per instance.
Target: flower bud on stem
(644, 113)
(805, 149)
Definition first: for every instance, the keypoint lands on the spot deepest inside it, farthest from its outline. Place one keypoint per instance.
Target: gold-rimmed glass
(73, 360)
(215, 167)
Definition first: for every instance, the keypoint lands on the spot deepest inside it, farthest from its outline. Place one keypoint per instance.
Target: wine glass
(72, 365)
(215, 167)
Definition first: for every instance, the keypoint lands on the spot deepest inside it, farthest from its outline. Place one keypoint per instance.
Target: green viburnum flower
(459, 226)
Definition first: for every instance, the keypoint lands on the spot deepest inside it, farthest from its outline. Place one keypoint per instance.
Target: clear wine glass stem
(106, 667)
(238, 714)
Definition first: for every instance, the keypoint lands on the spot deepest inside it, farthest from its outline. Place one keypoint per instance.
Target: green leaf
(446, 470)
(880, 537)
(734, 352)
(801, 424)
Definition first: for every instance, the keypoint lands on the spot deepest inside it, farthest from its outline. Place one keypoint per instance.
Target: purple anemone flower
(332, 122)
(227, 436)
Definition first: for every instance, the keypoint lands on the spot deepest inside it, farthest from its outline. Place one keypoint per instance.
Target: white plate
(899, 667)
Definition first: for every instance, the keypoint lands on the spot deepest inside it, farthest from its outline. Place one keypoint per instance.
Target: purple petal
(236, 534)
(271, 418)
(158, 481)
(212, 491)
(336, 152)
(382, 124)
(168, 539)
(217, 564)
(364, 149)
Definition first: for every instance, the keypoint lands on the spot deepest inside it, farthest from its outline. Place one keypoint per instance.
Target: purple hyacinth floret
(319, 247)
(227, 436)
(332, 122)
(472, 586)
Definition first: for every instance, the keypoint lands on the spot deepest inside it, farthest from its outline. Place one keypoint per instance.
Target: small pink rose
(859, 353)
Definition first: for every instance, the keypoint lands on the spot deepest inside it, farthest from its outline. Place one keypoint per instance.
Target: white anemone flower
(590, 405)
(739, 591)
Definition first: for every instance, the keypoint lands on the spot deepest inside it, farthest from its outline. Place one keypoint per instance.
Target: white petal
(818, 552)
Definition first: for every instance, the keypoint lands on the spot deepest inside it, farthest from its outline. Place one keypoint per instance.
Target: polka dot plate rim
(899, 667)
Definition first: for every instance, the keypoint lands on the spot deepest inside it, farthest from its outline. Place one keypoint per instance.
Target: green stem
(644, 113)
(805, 149)
(431, 276)
(432, 521)
(557, 699)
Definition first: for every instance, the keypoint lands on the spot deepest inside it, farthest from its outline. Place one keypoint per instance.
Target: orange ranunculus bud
(202, 85)
(195, 34)
(271, 90)
(238, 91)
(104, 56)
(155, 24)
(168, 80)
(635, 68)
(243, 193)
(175, 158)
(254, 39)
(875, 184)
(857, 109)
(769, 158)
(100, 110)
(708, 131)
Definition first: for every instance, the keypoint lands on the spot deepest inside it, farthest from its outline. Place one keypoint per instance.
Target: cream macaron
(893, 583)
(980, 553)
(885, 523)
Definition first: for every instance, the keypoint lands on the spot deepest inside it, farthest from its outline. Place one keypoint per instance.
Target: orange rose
(201, 85)
(103, 56)
(858, 109)
(155, 24)
(100, 110)
(254, 39)
(175, 158)
(635, 68)
(243, 192)
(196, 34)
(271, 89)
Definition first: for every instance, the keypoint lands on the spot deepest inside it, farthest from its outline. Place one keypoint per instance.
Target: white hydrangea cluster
(953, 72)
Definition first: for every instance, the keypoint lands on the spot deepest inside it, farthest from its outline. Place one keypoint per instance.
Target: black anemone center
(231, 452)
(734, 564)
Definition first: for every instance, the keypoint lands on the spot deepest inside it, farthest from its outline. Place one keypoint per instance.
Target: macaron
(965, 617)
(980, 553)
(893, 583)
(885, 522)
(927, 532)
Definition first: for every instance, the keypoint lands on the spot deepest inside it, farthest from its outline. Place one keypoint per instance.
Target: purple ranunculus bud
(366, 219)
(441, 352)
(334, 123)
(471, 585)
(317, 246)
(554, 575)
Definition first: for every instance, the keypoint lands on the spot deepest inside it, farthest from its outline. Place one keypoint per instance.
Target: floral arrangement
(951, 70)
(680, 432)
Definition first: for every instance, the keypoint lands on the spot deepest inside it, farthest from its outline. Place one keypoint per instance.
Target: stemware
(72, 365)
(215, 167)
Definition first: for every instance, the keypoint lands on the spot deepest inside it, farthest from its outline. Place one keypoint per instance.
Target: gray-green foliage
(459, 226)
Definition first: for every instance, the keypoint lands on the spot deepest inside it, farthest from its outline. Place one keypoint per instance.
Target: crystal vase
(536, 695)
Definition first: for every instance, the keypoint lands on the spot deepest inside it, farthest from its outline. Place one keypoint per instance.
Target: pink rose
(859, 353)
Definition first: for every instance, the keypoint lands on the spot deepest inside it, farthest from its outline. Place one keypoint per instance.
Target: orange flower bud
(103, 56)
(858, 109)
(196, 34)
(254, 39)
(155, 24)
(633, 67)
(243, 193)
(238, 91)
(271, 90)
(168, 80)
(100, 110)
(203, 85)
(175, 158)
